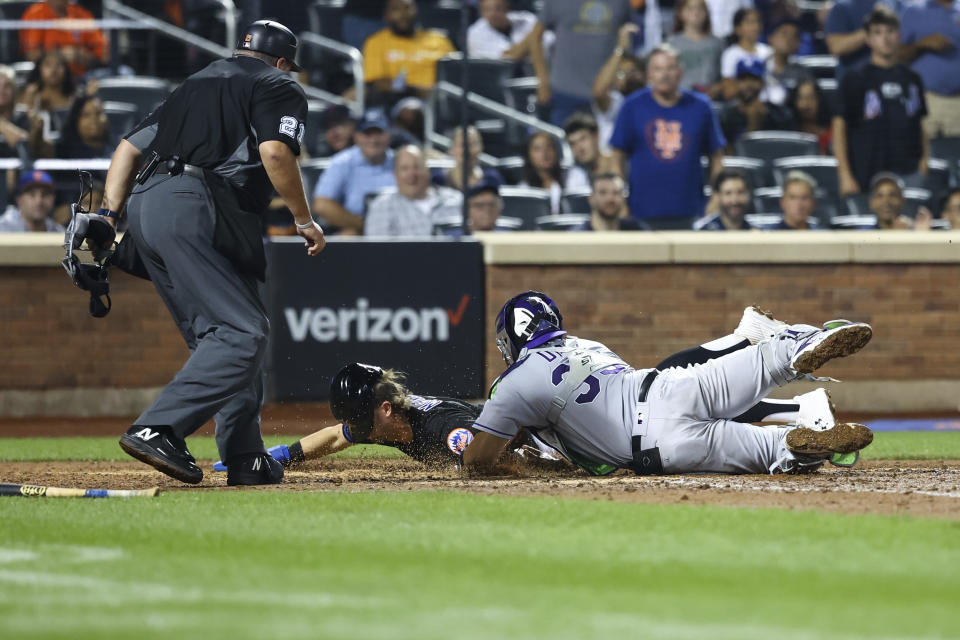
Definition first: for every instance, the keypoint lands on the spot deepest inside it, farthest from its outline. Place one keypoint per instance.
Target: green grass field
(423, 565)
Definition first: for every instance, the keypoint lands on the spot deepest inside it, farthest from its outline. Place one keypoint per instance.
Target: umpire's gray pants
(218, 311)
(689, 411)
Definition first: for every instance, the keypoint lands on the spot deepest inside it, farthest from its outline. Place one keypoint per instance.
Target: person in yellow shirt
(403, 57)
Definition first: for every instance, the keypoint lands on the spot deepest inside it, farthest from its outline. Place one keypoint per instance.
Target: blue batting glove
(219, 466)
(280, 453)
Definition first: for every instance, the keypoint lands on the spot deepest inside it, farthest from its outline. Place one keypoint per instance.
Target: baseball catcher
(598, 411)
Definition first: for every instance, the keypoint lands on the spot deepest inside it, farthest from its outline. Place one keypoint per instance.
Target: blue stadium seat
(823, 169)
(575, 202)
(562, 222)
(771, 145)
(122, 117)
(820, 66)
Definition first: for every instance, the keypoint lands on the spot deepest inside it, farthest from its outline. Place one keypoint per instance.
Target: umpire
(207, 158)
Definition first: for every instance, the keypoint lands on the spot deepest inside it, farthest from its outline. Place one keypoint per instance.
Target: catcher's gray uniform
(687, 413)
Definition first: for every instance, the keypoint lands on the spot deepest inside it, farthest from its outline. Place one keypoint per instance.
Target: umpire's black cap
(272, 38)
(351, 398)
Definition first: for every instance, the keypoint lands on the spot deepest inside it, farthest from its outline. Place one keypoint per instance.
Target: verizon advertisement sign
(413, 306)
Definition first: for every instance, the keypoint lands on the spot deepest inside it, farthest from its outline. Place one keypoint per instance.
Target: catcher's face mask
(90, 277)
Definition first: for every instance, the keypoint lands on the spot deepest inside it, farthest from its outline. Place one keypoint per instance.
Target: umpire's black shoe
(162, 450)
(254, 468)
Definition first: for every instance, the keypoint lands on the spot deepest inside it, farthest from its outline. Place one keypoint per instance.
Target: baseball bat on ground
(38, 491)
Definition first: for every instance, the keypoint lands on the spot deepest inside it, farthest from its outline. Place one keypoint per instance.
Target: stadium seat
(562, 222)
(948, 149)
(144, 92)
(754, 168)
(823, 169)
(767, 199)
(521, 94)
(820, 66)
(10, 38)
(444, 15)
(313, 135)
(938, 175)
(762, 220)
(487, 78)
(525, 203)
(451, 225)
(830, 91)
(121, 116)
(916, 198)
(849, 222)
(311, 170)
(771, 145)
(511, 169)
(575, 202)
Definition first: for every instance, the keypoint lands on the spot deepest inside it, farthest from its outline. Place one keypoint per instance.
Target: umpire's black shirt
(219, 116)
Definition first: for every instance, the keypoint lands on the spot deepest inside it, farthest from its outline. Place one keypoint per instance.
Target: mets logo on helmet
(458, 439)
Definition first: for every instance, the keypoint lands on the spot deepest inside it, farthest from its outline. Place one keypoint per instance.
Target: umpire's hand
(313, 235)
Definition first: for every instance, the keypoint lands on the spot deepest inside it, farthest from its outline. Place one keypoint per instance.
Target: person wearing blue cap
(365, 168)
(35, 200)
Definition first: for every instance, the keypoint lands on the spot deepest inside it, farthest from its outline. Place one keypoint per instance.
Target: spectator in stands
(499, 32)
(86, 133)
(733, 195)
(747, 112)
(541, 167)
(586, 32)
(407, 119)
(663, 131)
(811, 113)
(11, 133)
(798, 202)
(888, 204)
(747, 48)
(35, 198)
(697, 48)
(484, 206)
(50, 85)
(338, 129)
(402, 59)
(845, 35)
(783, 74)
(950, 209)
(723, 14)
(931, 41)
(81, 48)
(584, 140)
(356, 171)
(608, 206)
(879, 124)
(416, 205)
(453, 177)
(621, 75)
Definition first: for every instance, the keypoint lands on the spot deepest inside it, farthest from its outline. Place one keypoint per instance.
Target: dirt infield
(915, 488)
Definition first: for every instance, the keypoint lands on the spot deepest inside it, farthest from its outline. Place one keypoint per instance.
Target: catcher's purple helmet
(528, 319)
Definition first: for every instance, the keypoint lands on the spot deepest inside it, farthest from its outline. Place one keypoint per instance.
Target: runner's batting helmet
(528, 319)
(351, 398)
(272, 38)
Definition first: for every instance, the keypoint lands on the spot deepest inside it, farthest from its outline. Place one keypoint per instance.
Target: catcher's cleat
(757, 325)
(819, 347)
(162, 450)
(816, 410)
(844, 438)
(254, 468)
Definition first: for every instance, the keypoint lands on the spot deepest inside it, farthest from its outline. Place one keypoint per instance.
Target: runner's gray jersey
(597, 422)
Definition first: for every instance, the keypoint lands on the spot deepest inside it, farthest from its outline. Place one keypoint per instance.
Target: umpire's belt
(646, 462)
(179, 168)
